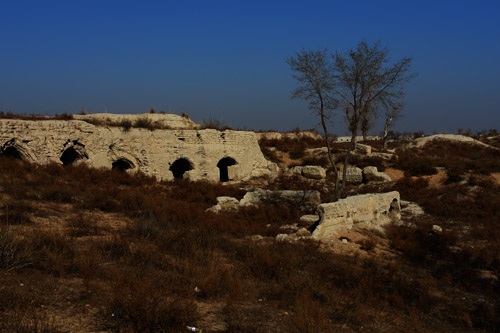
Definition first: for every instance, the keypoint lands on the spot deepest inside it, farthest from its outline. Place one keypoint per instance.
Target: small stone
(308, 220)
(303, 232)
(437, 229)
(345, 241)
(282, 237)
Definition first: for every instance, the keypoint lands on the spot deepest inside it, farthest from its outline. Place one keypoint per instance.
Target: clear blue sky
(226, 59)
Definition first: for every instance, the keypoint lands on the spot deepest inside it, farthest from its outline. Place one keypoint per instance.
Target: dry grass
(171, 255)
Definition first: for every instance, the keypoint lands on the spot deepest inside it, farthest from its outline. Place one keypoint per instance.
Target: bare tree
(359, 83)
(314, 74)
(391, 114)
(364, 83)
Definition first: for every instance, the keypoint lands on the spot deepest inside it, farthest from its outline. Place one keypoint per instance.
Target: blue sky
(225, 60)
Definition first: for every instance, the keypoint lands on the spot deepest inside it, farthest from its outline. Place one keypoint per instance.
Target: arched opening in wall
(224, 170)
(122, 165)
(71, 155)
(12, 152)
(180, 166)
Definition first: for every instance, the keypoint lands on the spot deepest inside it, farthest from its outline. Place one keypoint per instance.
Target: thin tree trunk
(388, 121)
(330, 157)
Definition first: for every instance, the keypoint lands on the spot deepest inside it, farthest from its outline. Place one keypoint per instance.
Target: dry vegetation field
(100, 250)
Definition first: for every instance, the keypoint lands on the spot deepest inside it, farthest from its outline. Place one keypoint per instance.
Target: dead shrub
(270, 154)
(240, 317)
(308, 316)
(321, 161)
(365, 161)
(146, 123)
(147, 303)
(14, 253)
(415, 166)
(82, 224)
(418, 243)
(367, 244)
(125, 124)
(29, 320)
(52, 252)
(16, 212)
(214, 124)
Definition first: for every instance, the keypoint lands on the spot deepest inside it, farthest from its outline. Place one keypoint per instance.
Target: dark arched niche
(180, 166)
(122, 164)
(72, 155)
(223, 166)
(11, 152)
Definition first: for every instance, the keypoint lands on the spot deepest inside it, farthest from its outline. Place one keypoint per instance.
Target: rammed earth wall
(188, 153)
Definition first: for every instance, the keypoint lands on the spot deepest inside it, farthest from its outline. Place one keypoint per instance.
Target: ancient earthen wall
(152, 152)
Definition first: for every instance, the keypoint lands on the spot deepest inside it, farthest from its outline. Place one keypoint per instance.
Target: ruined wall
(152, 152)
(372, 210)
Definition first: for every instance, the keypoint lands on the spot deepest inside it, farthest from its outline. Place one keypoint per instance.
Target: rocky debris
(487, 275)
(437, 229)
(292, 238)
(257, 238)
(303, 232)
(384, 156)
(282, 237)
(353, 175)
(301, 199)
(308, 171)
(294, 171)
(290, 227)
(363, 149)
(225, 204)
(411, 208)
(366, 210)
(308, 220)
(372, 175)
(313, 172)
(317, 151)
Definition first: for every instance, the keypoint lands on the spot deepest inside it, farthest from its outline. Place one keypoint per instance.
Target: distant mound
(172, 121)
(420, 142)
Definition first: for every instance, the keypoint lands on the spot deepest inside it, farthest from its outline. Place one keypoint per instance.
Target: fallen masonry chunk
(371, 174)
(353, 175)
(300, 199)
(366, 210)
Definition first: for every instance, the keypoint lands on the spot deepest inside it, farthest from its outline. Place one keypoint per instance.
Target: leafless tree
(314, 74)
(359, 83)
(364, 83)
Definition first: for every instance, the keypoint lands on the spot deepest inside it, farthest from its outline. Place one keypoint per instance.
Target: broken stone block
(313, 172)
(353, 175)
(366, 210)
(371, 174)
(301, 199)
(363, 149)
